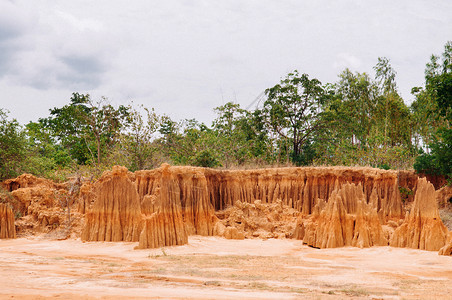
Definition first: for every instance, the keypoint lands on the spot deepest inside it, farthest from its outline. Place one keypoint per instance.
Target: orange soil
(216, 268)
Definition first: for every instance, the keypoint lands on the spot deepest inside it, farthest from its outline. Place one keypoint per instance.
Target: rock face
(346, 220)
(86, 197)
(33, 195)
(7, 228)
(161, 207)
(422, 227)
(185, 187)
(325, 207)
(300, 188)
(116, 212)
(39, 203)
(164, 225)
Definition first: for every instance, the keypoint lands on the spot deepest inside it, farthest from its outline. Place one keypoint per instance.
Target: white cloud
(186, 57)
(56, 51)
(346, 60)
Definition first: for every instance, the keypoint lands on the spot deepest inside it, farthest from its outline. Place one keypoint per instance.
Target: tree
(355, 106)
(234, 135)
(390, 106)
(368, 122)
(103, 122)
(86, 128)
(181, 141)
(439, 160)
(13, 147)
(45, 146)
(438, 88)
(293, 109)
(136, 142)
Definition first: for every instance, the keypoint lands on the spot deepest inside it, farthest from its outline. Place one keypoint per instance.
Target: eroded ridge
(116, 212)
(422, 227)
(325, 207)
(346, 220)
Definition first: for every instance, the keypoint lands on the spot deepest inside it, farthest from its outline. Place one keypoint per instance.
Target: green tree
(368, 122)
(439, 160)
(235, 137)
(390, 107)
(293, 110)
(205, 158)
(88, 129)
(357, 94)
(438, 89)
(45, 146)
(136, 143)
(181, 141)
(13, 147)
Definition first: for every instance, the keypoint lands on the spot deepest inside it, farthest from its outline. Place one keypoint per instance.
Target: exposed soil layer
(271, 220)
(326, 207)
(217, 268)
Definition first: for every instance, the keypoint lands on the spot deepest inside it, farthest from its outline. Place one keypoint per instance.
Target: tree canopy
(360, 119)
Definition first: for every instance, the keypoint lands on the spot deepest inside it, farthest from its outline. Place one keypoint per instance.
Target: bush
(13, 147)
(439, 161)
(205, 158)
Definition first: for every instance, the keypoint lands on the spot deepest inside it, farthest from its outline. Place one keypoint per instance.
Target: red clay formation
(116, 212)
(325, 207)
(346, 220)
(422, 227)
(7, 230)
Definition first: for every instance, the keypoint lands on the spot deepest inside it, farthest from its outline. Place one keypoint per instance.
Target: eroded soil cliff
(326, 207)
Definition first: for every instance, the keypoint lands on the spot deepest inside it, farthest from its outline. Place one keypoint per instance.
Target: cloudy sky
(186, 57)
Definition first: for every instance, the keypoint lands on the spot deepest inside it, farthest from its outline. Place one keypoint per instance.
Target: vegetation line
(356, 121)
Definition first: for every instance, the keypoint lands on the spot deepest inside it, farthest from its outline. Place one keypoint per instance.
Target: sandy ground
(216, 268)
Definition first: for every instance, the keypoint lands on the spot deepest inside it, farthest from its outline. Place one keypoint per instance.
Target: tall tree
(438, 89)
(87, 128)
(13, 147)
(234, 135)
(293, 109)
(137, 142)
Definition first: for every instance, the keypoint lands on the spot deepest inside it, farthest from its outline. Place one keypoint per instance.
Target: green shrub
(205, 158)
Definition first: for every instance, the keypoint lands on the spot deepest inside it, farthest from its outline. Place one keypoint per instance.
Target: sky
(184, 58)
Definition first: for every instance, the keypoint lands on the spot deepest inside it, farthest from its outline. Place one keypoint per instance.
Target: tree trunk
(98, 151)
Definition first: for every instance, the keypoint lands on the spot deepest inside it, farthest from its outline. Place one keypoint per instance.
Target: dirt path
(216, 268)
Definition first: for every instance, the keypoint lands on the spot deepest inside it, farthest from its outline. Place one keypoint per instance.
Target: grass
(212, 283)
(158, 255)
(355, 292)
(259, 286)
(159, 270)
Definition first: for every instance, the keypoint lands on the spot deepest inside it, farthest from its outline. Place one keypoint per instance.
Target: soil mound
(39, 204)
(447, 249)
(28, 180)
(444, 196)
(118, 213)
(263, 220)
